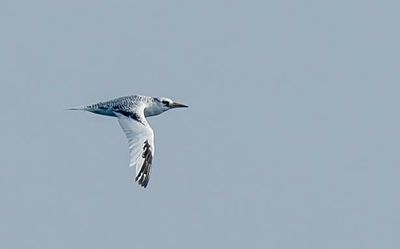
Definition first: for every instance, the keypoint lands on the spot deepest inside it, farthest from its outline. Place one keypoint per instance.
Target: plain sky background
(291, 139)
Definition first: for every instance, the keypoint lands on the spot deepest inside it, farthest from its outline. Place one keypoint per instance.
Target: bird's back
(122, 104)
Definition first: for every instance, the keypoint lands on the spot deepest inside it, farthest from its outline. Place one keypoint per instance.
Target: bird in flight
(131, 112)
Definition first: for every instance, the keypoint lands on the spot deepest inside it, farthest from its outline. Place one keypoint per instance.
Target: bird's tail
(79, 108)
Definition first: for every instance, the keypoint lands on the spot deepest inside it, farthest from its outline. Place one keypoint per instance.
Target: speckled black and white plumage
(123, 103)
(126, 105)
(131, 112)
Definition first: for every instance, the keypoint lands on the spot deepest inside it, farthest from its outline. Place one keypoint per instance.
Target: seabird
(131, 112)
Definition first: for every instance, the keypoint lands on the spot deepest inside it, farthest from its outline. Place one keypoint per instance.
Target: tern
(131, 112)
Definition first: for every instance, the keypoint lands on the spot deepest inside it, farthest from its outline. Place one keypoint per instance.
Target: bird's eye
(166, 103)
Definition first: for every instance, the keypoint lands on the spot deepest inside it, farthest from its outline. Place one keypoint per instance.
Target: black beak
(177, 105)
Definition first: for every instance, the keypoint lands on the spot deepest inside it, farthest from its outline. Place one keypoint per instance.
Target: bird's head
(162, 104)
(166, 104)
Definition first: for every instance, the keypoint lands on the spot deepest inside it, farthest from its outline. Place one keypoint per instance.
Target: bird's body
(131, 112)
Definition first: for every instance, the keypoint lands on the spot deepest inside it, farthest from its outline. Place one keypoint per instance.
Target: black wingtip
(143, 180)
(143, 176)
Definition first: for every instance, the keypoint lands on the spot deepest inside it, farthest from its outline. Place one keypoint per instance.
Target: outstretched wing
(141, 144)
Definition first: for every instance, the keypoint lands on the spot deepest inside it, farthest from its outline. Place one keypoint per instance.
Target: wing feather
(141, 145)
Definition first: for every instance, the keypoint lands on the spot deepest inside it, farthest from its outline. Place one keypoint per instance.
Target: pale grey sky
(291, 139)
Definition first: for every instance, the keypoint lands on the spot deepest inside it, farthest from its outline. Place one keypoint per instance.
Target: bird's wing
(141, 144)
